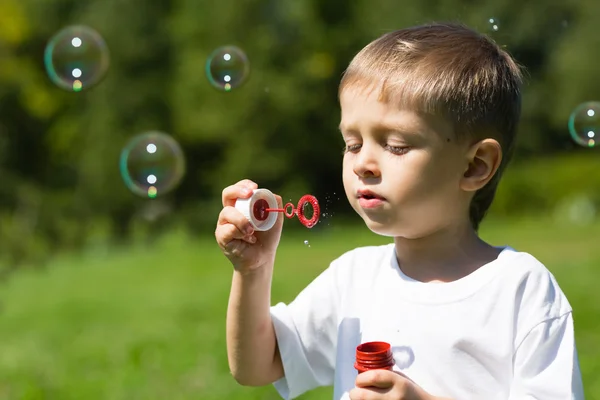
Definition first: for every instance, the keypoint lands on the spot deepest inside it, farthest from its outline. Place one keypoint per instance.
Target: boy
(429, 116)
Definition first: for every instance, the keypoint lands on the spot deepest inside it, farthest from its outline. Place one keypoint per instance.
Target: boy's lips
(369, 199)
(368, 195)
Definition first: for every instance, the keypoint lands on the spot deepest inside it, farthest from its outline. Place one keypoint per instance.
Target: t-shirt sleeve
(546, 364)
(306, 331)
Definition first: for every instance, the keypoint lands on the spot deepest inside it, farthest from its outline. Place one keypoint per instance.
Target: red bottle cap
(374, 355)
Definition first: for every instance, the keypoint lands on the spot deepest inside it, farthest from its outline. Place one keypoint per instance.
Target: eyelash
(397, 150)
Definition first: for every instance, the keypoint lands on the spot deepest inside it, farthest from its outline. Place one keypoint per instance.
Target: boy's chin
(382, 229)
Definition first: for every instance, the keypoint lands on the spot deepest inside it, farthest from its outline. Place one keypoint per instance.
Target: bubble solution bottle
(374, 355)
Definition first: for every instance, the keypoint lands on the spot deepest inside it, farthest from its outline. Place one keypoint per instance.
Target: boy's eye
(397, 149)
(351, 148)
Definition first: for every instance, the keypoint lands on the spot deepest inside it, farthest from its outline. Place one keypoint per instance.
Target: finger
(227, 234)
(241, 190)
(367, 393)
(235, 248)
(247, 182)
(404, 376)
(232, 216)
(379, 378)
(279, 205)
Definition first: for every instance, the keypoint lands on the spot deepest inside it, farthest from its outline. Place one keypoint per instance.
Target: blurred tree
(59, 151)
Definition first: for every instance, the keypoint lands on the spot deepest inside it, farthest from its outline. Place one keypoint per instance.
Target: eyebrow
(384, 128)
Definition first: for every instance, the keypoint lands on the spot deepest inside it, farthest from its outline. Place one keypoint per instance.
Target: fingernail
(252, 239)
(249, 230)
(245, 191)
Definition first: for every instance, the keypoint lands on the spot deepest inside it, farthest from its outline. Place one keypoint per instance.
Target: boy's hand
(246, 249)
(387, 385)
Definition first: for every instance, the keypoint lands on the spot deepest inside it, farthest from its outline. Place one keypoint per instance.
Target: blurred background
(112, 286)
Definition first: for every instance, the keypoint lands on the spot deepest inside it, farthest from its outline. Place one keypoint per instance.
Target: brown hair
(452, 71)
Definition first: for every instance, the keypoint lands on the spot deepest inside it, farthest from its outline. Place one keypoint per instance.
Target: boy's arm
(252, 352)
(546, 364)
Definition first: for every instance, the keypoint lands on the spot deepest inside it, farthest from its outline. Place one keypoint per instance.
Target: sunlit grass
(148, 323)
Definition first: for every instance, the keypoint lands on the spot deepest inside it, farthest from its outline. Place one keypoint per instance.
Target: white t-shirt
(503, 332)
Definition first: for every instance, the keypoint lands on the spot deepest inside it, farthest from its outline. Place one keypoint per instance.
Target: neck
(444, 256)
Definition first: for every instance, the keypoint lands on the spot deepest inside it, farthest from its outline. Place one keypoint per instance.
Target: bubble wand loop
(261, 210)
(299, 210)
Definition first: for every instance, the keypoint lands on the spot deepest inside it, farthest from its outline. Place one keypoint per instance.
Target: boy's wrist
(254, 273)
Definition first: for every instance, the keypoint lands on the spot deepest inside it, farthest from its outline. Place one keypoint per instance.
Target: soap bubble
(152, 164)
(584, 124)
(76, 58)
(227, 68)
(307, 243)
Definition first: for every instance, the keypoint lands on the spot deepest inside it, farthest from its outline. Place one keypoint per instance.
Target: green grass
(149, 323)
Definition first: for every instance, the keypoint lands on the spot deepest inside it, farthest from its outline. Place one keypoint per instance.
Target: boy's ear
(483, 160)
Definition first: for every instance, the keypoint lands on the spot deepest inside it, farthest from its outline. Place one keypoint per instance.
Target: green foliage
(278, 129)
(543, 185)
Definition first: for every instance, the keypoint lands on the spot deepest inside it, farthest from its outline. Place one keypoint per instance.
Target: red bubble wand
(261, 210)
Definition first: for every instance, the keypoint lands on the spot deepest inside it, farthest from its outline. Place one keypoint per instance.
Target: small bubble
(306, 243)
(76, 58)
(584, 124)
(227, 68)
(152, 164)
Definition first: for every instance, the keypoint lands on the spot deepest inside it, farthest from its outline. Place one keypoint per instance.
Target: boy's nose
(365, 164)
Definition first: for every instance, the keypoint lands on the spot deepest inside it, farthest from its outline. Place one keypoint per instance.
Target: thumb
(279, 224)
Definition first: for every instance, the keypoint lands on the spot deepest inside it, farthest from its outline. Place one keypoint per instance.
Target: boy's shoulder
(525, 268)
(528, 291)
(534, 292)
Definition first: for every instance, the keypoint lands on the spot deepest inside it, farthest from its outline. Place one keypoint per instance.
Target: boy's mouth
(368, 195)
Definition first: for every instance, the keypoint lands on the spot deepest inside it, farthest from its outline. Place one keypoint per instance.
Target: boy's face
(411, 163)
